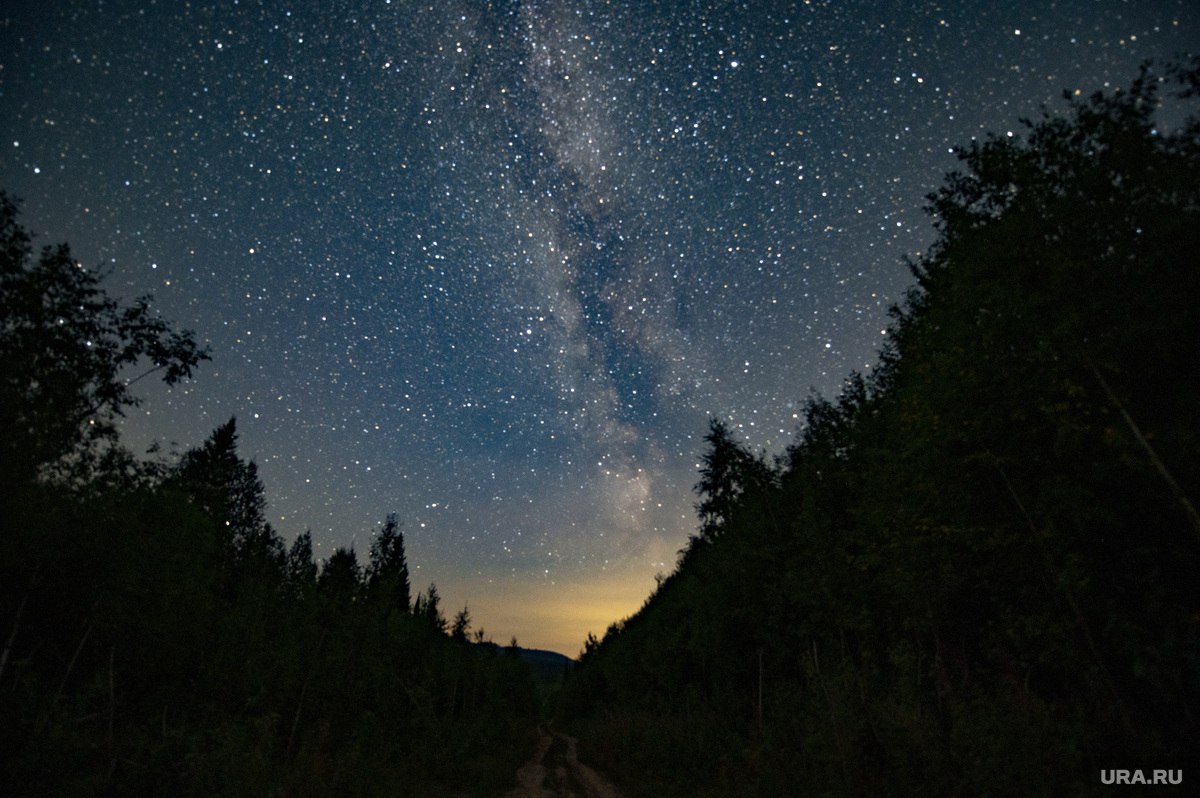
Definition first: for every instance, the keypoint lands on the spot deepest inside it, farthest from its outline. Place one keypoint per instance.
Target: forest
(973, 572)
(159, 636)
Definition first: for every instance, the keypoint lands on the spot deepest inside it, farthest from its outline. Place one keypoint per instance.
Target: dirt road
(556, 772)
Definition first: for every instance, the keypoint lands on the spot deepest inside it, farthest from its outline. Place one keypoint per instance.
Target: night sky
(491, 266)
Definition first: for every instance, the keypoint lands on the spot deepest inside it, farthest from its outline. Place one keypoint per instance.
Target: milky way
(491, 266)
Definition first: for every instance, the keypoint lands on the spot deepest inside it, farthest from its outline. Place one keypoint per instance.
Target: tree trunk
(1188, 508)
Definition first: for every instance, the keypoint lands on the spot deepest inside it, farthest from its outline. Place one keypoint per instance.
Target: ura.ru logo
(1141, 777)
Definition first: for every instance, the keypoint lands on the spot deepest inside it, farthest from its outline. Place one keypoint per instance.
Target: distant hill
(549, 667)
(538, 656)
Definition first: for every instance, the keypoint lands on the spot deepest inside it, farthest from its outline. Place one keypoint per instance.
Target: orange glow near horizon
(551, 615)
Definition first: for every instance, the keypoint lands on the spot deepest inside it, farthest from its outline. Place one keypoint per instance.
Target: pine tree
(728, 472)
(229, 490)
(461, 625)
(428, 607)
(387, 571)
(341, 577)
(301, 569)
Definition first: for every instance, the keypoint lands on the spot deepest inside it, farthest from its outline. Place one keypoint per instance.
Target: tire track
(556, 772)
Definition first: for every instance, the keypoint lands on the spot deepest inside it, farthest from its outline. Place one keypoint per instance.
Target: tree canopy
(983, 553)
(69, 356)
(159, 637)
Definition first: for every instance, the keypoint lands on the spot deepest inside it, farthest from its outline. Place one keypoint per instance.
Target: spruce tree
(387, 571)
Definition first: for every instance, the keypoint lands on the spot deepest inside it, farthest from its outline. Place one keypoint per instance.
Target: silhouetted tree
(341, 577)
(461, 625)
(301, 569)
(590, 644)
(387, 571)
(65, 349)
(728, 472)
(229, 490)
(428, 607)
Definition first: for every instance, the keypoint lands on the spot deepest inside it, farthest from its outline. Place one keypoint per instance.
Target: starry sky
(492, 265)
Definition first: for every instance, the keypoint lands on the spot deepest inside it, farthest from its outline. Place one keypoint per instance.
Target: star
(491, 267)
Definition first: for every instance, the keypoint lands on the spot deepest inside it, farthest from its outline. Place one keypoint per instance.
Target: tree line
(973, 572)
(159, 636)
